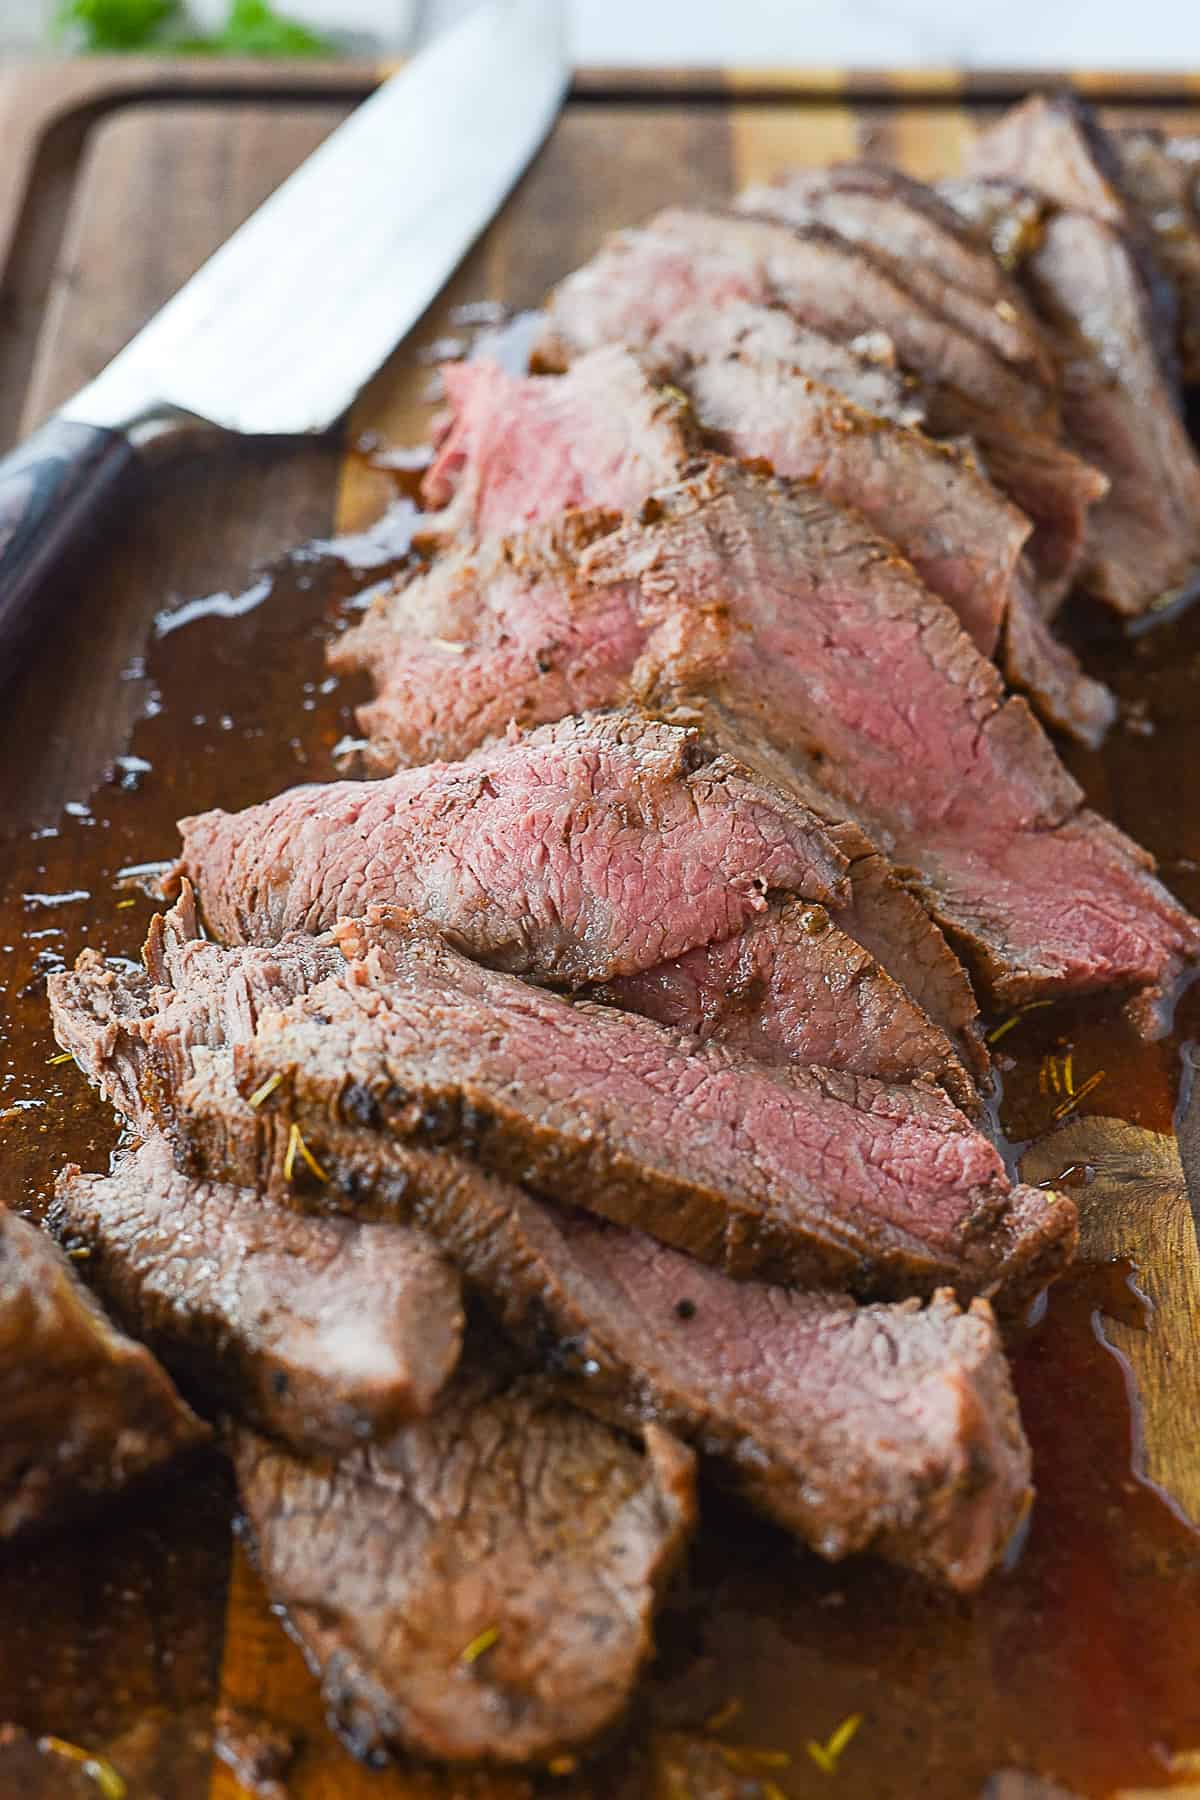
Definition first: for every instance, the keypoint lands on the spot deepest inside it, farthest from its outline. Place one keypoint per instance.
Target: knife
(281, 328)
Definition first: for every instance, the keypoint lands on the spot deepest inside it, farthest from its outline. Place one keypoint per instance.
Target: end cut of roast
(323, 1332)
(83, 1409)
(482, 1587)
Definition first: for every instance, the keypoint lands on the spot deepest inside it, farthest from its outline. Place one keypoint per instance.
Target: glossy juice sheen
(1080, 1661)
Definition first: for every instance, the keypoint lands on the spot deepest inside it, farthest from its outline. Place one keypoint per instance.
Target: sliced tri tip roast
(629, 1001)
(886, 1427)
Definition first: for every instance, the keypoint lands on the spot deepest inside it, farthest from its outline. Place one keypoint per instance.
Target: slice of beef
(837, 654)
(85, 1410)
(636, 288)
(963, 538)
(1054, 487)
(1160, 180)
(1056, 144)
(817, 623)
(585, 851)
(485, 638)
(1040, 665)
(866, 372)
(667, 291)
(322, 1332)
(925, 243)
(438, 696)
(921, 223)
(891, 1428)
(594, 850)
(793, 988)
(483, 1586)
(841, 289)
(803, 1174)
(491, 614)
(1144, 537)
(512, 444)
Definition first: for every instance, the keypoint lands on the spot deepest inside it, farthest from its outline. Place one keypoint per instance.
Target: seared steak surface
(483, 1585)
(321, 1332)
(84, 1410)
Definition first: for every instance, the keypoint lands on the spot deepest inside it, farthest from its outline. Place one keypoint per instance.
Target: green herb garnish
(117, 24)
(252, 28)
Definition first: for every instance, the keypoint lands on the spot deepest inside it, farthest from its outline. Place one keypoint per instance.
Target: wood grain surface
(117, 180)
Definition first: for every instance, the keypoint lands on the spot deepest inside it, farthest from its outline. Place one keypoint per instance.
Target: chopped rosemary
(265, 1091)
(478, 1645)
(1013, 1019)
(1072, 1101)
(745, 1760)
(54, 1062)
(843, 1736)
(122, 904)
(97, 1768)
(827, 1755)
(1056, 1074)
(724, 1715)
(298, 1148)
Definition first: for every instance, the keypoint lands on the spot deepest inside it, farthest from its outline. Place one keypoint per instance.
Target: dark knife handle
(54, 491)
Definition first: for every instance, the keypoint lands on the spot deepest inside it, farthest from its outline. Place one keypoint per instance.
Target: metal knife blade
(280, 329)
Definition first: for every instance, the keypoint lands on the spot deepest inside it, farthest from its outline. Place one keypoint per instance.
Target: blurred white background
(1020, 33)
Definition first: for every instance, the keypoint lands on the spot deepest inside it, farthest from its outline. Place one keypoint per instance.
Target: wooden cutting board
(129, 1634)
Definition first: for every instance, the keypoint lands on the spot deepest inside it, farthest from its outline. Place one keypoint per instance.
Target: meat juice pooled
(1080, 1661)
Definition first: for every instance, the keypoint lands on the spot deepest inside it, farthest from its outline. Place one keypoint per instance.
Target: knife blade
(280, 329)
